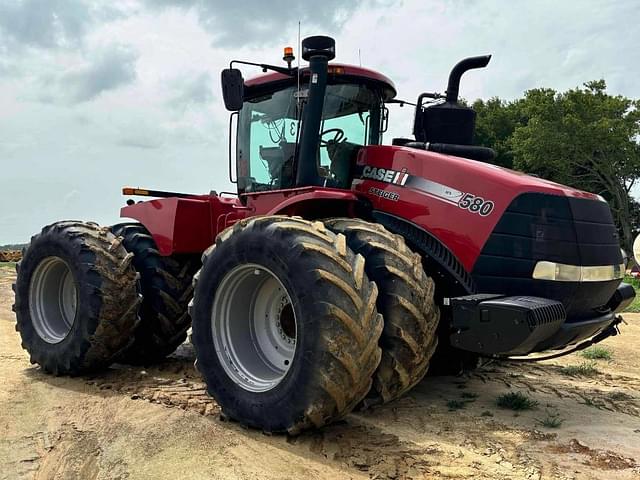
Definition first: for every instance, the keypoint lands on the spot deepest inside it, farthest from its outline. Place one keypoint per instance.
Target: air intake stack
(448, 122)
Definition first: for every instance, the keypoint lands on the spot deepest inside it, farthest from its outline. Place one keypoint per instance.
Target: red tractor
(341, 268)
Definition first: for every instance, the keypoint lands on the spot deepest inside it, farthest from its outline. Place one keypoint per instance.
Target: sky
(98, 95)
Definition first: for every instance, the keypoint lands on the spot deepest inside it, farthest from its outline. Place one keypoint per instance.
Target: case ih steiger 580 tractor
(340, 268)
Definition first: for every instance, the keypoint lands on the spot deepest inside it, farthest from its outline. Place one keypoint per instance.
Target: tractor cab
(269, 126)
(301, 127)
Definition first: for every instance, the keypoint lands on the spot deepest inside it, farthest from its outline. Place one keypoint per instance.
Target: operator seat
(280, 161)
(343, 157)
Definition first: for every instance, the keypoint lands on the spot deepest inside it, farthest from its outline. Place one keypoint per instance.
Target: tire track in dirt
(369, 450)
(615, 393)
(596, 458)
(356, 443)
(361, 446)
(175, 383)
(64, 453)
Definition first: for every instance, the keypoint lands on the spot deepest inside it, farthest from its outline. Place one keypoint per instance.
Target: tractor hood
(436, 166)
(457, 200)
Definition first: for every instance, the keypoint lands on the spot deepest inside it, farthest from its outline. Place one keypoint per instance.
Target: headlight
(636, 249)
(560, 272)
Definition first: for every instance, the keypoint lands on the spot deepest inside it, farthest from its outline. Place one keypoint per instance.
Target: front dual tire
(285, 325)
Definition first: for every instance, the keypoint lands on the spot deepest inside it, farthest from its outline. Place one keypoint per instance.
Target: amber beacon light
(288, 55)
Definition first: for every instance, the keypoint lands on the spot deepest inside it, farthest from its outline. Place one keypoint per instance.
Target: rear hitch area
(507, 326)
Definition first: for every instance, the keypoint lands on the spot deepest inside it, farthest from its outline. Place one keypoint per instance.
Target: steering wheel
(338, 136)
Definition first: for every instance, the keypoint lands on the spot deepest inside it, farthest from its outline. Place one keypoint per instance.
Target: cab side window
(267, 133)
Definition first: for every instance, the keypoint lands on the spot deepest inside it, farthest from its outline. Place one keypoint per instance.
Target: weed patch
(516, 401)
(551, 420)
(585, 369)
(597, 353)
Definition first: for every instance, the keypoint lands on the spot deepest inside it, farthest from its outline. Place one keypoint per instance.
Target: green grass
(597, 353)
(516, 401)
(486, 413)
(633, 281)
(8, 265)
(551, 420)
(585, 369)
(635, 305)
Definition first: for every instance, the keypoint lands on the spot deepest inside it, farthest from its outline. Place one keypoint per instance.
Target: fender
(185, 225)
(440, 263)
(177, 225)
(308, 202)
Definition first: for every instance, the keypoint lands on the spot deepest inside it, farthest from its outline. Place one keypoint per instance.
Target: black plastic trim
(439, 262)
(538, 226)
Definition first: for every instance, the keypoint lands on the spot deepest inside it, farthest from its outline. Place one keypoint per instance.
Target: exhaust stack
(461, 67)
(448, 122)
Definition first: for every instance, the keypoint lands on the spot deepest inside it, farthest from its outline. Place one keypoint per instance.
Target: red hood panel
(456, 199)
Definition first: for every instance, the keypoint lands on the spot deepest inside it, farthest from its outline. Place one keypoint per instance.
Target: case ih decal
(386, 175)
(463, 200)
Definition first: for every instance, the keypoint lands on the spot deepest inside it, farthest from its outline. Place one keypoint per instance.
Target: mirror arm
(401, 102)
(285, 71)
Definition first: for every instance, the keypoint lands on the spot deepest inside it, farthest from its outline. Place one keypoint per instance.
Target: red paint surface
(181, 225)
(185, 225)
(346, 70)
(463, 232)
(188, 225)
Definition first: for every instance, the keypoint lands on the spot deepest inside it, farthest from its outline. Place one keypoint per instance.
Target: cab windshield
(269, 129)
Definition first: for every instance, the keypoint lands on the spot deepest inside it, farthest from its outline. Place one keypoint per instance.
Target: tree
(584, 138)
(495, 124)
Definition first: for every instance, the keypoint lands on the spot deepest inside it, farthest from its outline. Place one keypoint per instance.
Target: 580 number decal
(476, 204)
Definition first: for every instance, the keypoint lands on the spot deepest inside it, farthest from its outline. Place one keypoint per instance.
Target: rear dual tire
(166, 287)
(76, 300)
(308, 272)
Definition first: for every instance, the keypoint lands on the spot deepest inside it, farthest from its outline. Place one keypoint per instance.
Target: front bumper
(518, 325)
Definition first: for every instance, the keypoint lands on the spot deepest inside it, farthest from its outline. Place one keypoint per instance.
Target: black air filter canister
(445, 123)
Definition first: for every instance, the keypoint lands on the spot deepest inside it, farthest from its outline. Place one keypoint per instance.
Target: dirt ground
(132, 423)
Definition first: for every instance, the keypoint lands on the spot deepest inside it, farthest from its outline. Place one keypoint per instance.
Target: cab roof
(336, 71)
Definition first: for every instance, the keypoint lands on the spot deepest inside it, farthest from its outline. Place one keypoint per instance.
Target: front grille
(536, 226)
(544, 314)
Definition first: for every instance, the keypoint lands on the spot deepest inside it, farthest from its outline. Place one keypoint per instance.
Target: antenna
(299, 55)
(359, 58)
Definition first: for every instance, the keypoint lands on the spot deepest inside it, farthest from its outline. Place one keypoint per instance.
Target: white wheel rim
(254, 327)
(53, 299)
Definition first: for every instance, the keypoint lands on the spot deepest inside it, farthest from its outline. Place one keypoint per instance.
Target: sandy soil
(130, 423)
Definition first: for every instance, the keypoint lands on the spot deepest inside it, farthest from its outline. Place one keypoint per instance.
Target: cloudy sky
(97, 95)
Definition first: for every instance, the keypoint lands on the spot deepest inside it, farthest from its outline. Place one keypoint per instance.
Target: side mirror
(232, 89)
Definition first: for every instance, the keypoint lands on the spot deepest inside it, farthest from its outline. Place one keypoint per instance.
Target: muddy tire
(166, 285)
(405, 300)
(303, 341)
(76, 298)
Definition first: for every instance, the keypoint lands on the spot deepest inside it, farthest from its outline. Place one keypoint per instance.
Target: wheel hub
(254, 327)
(53, 299)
